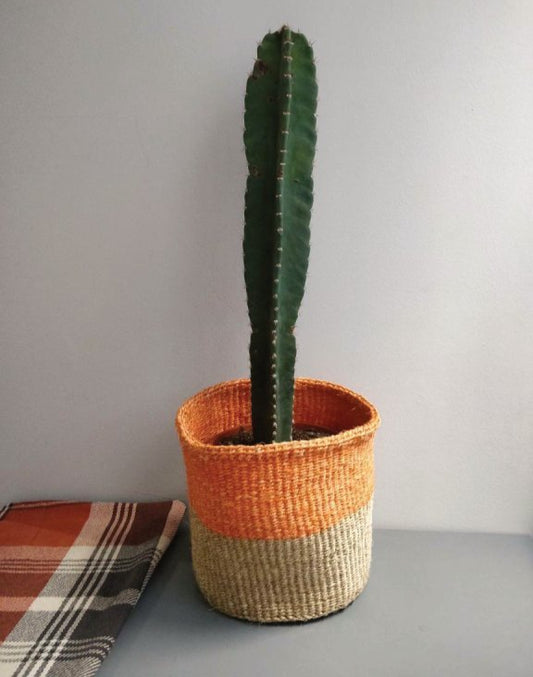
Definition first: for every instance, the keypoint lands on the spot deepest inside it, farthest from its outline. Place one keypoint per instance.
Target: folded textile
(70, 574)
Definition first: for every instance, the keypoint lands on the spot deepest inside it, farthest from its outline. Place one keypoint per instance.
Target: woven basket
(283, 531)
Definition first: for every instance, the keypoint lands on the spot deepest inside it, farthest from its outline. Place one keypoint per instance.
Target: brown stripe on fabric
(19, 584)
(8, 620)
(31, 525)
(150, 519)
(287, 579)
(128, 557)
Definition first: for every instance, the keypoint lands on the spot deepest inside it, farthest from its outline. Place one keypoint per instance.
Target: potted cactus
(279, 470)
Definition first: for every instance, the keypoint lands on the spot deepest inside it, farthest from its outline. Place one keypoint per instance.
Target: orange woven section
(281, 490)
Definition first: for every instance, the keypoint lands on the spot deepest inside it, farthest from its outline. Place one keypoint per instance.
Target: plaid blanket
(70, 573)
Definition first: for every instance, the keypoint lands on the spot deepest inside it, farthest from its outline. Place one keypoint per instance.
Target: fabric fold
(70, 574)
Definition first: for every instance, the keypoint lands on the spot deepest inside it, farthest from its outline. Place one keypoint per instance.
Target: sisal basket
(282, 531)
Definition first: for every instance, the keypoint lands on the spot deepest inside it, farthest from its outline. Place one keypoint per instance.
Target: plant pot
(283, 531)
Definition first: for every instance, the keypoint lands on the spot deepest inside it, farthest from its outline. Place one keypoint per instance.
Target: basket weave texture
(282, 531)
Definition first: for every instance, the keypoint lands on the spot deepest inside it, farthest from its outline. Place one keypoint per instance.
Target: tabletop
(437, 603)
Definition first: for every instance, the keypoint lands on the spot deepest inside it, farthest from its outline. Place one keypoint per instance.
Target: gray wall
(121, 196)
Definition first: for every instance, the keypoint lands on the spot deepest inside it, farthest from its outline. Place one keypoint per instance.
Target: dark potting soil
(243, 436)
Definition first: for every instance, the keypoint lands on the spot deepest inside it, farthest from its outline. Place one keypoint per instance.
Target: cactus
(279, 138)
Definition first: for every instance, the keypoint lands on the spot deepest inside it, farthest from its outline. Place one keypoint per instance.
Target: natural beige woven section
(287, 579)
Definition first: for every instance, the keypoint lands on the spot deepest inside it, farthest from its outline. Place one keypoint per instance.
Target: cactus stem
(283, 139)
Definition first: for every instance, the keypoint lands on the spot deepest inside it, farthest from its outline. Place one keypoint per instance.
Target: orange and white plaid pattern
(70, 573)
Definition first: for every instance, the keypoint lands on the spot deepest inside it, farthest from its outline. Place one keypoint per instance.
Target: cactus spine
(279, 138)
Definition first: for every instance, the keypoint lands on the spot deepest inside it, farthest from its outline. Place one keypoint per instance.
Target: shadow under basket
(280, 532)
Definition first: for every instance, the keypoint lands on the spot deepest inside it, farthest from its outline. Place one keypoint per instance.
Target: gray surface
(437, 604)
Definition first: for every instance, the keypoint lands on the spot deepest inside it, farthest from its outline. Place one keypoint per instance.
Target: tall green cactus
(280, 138)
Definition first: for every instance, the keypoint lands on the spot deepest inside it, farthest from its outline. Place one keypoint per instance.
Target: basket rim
(342, 437)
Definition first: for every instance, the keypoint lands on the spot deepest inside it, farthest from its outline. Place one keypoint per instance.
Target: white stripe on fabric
(11, 648)
(45, 603)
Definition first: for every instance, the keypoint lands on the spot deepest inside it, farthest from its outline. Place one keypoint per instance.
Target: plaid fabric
(70, 573)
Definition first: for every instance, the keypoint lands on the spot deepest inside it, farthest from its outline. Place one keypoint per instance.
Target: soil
(243, 436)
